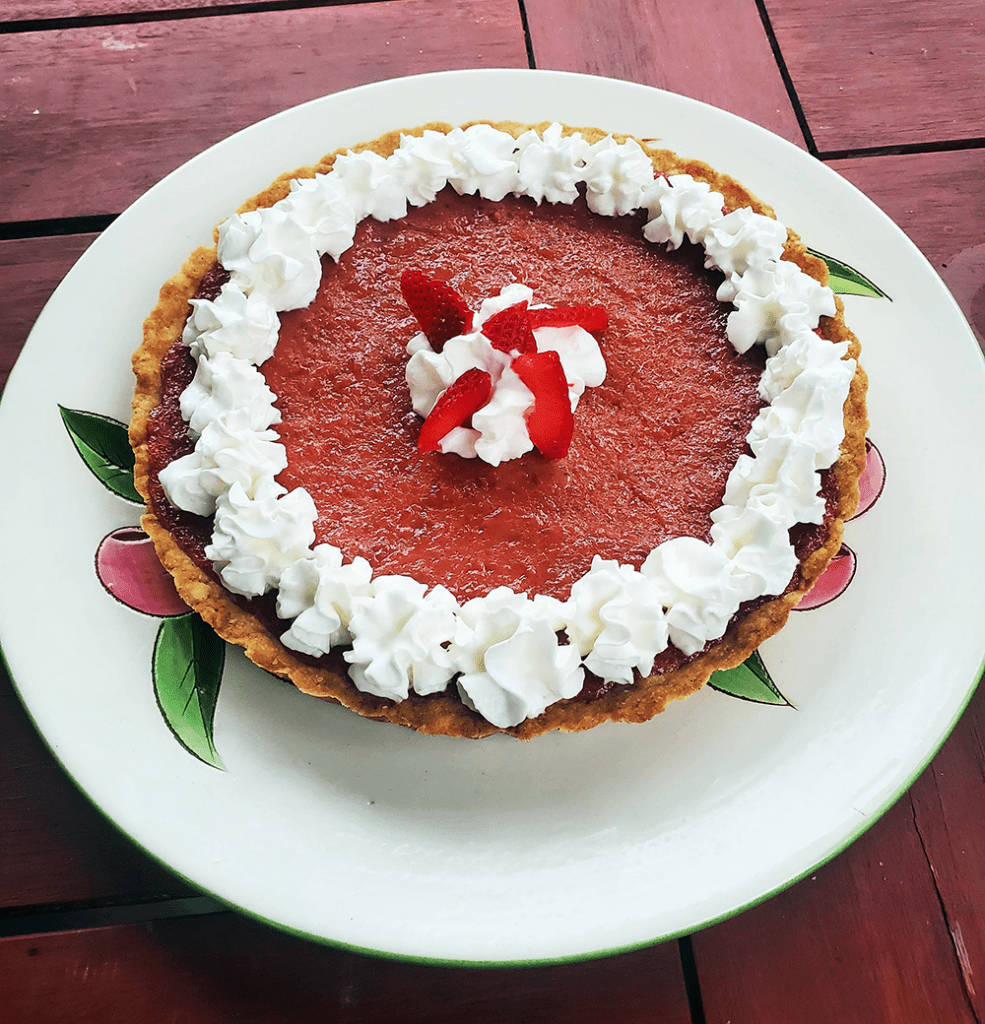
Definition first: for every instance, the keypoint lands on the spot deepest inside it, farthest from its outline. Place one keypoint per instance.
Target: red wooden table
(98, 100)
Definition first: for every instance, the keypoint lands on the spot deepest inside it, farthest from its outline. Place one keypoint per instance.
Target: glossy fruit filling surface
(652, 446)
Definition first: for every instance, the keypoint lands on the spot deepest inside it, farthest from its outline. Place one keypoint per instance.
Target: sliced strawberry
(455, 407)
(589, 318)
(509, 329)
(439, 309)
(550, 423)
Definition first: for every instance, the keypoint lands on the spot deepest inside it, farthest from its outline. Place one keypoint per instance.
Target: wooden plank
(947, 802)
(55, 847)
(861, 940)
(30, 270)
(49, 10)
(225, 968)
(46, 10)
(711, 51)
(126, 104)
(938, 200)
(872, 73)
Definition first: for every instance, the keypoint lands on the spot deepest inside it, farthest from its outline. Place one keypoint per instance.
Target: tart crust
(444, 713)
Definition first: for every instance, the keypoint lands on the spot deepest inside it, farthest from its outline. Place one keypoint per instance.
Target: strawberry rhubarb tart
(499, 428)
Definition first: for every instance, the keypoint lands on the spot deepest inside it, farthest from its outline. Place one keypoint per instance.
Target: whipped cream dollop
(502, 652)
(317, 592)
(243, 324)
(400, 634)
(502, 631)
(499, 429)
(615, 618)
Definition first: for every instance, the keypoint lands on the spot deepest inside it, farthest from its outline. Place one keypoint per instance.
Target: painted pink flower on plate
(872, 480)
(833, 582)
(128, 567)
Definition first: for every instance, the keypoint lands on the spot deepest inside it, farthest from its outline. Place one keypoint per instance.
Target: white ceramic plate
(497, 851)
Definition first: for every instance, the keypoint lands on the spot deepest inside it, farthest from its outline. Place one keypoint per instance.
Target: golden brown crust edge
(444, 714)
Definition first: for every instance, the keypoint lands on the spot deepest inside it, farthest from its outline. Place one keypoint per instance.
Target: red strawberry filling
(652, 446)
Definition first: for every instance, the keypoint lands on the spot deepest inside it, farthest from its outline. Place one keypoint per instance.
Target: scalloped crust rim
(444, 713)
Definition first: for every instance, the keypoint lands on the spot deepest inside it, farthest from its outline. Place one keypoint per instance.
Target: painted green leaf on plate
(846, 280)
(749, 681)
(105, 448)
(188, 662)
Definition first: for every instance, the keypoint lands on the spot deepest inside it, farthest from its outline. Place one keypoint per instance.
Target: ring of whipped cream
(502, 650)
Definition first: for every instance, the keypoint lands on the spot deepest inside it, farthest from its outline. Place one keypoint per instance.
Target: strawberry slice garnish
(550, 423)
(589, 318)
(509, 329)
(439, 309)
(467, 395)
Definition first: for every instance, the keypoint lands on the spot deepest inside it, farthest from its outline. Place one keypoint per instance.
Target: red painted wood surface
(861, 940)
(947, 811)
(226, 968)
(713, 51)
(876, 73)
(55, 847)
(131, 102)
(939, 200)
(41, 10)
(30, 270)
